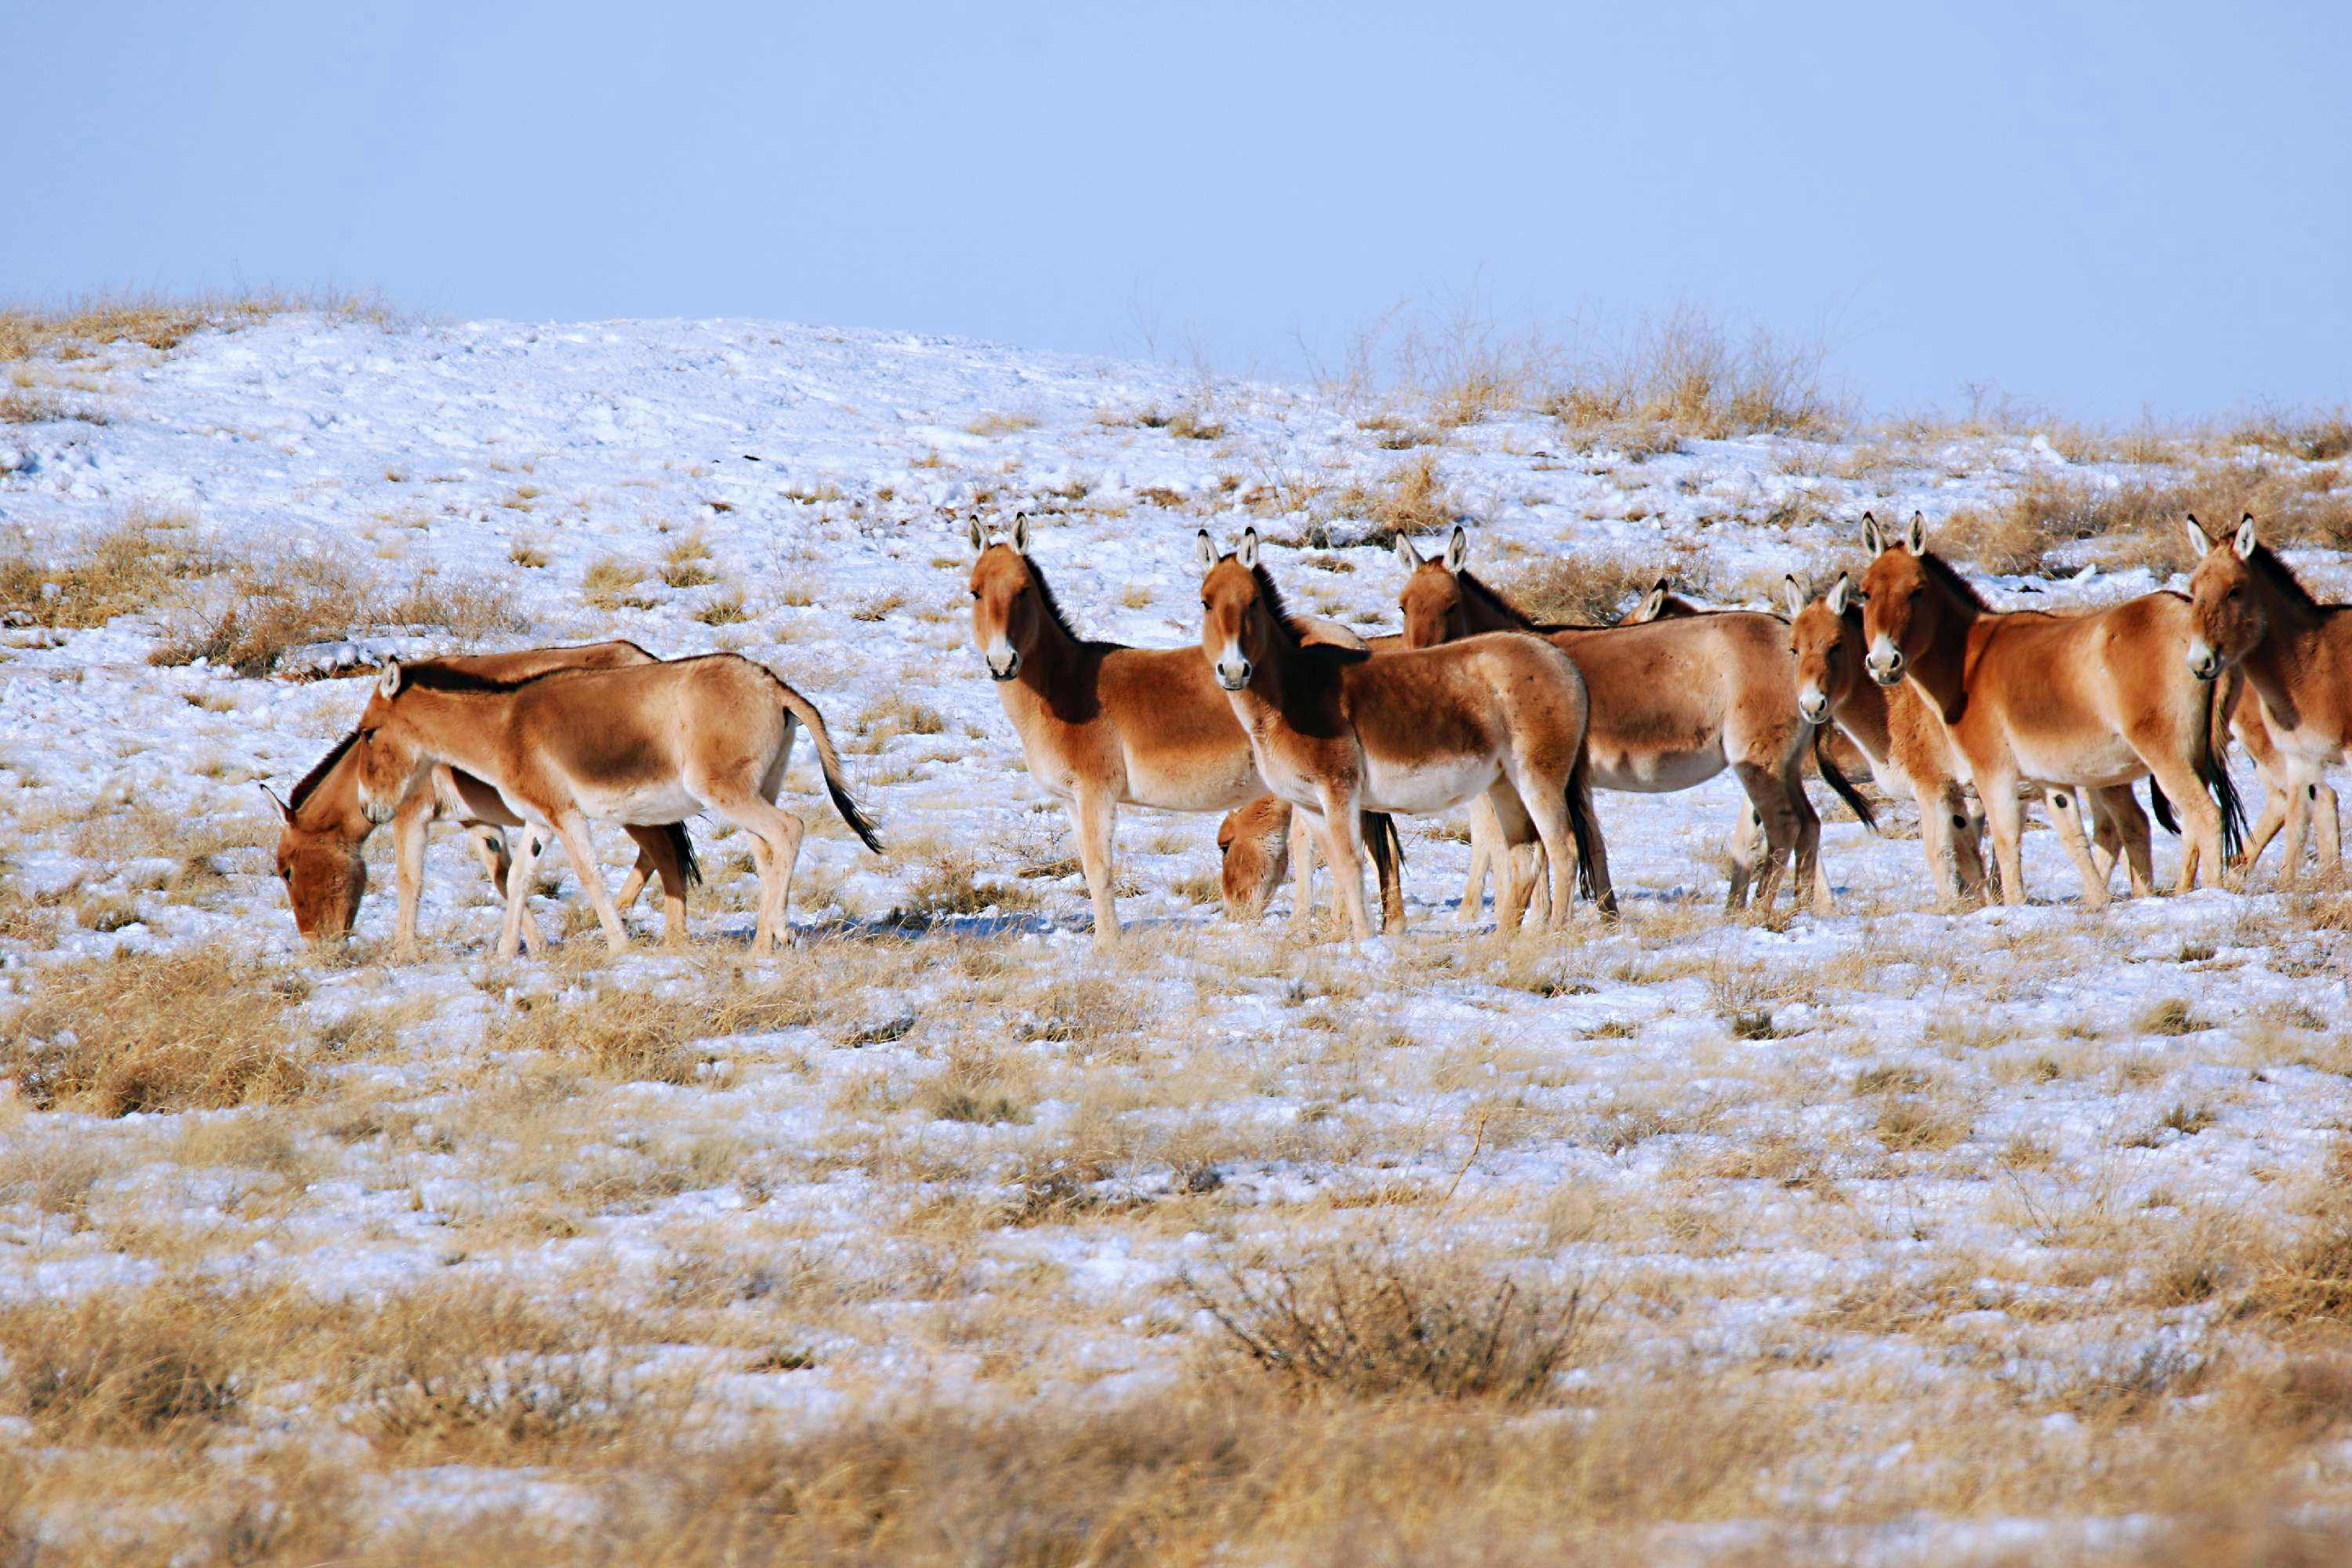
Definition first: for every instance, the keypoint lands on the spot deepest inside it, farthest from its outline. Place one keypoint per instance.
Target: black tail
(1582, 828)
(1387, 849)
(1838, 784)
(2161, 804)
(2213, 773)
(688, 867)
(858, 822)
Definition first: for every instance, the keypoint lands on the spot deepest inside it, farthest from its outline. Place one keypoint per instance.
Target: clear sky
(2101, 209)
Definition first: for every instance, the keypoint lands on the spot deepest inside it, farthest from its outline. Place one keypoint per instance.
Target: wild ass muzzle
(2064, 703)
(1337, 731)
(323, 830)
(648, 746)
(1104, 725)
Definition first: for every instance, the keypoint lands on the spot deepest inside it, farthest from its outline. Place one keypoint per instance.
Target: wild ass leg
(572, 830)
(2331, 837)
(1485, 843)
(2123, 834)
(1343, 832)
(2005, 820)
(1386, 846)
(408, 867)
(1771, 799)
(2300, 791)
(1304, 831)
(2066, 817)
(1547, 810)
(1515, 858)
(519, 876)
(1094, 815)
(656, 856)
(778, 832)
(2200, 819)
(1809, 884)
(1939, 826)
(1743, 848)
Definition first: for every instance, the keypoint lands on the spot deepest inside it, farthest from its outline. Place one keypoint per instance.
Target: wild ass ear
(1652, 603)
(1915, 537)
(2246, 541)
(284, 810)
(2199, 542)
(387, 685)
(1020, 533)
(1794, 596)
(979, 534)
(1841, 594)
(1872, 540)
(1407, 556)
(1246, 553)
(1208, 551)
(1457, 549)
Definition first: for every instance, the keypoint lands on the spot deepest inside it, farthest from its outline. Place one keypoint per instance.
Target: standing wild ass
(648, 745)
(324, 830)
(1104, 725)
(1337, 731)
(1674, 701)
(2061, 701)
(2248, 612)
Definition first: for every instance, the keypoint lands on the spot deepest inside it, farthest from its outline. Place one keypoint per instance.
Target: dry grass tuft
(2138, 524)
(113, 1367)
(1375, 1322)
(1410, 500)
(1581, 590)
(610, 584)
(136, 563)
(201, 1027)
(162, 324)
(636, 1036)
(271, 610)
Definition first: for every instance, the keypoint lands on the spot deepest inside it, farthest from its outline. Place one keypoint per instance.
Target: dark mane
(1941, 573)
(1053, 605)
(435, 676)
(2282, 578)
(310, 782)
(1294, 634)
(1474, 586)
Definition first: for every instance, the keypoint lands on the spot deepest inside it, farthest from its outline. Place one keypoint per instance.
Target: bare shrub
(1372, 1322)
(952, 884)
(2315, 438)
(2138, 524)
(35, 406)
(1410, 499)
(136, 563)
(1581, 590)
(1691, 373)
(273, 608)
(196, 1029)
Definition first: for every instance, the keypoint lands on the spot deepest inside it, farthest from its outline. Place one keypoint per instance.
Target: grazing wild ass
(648, 745)
(319, 845)
(2248, 612)
(1337, 731)
(1104, 725)
(1674, 702)
(2064, 703)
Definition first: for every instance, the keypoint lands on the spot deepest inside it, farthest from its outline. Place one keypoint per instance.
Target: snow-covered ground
(1920, 1179)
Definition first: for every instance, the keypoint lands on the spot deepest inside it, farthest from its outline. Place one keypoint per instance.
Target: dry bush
(197, 1028)
(272, 608)
(35, 406)
(2310, 1281)
(162, 324)
(1689, 373)
(610, 584)
(634, 1036)
(1375, 1322)
(1188, 423)
(115, 1366)
(1410, 499)
(952, 884)
(686, 564)
(1580, 590)
(136, 563)
(2315, 438)
(2138, 524)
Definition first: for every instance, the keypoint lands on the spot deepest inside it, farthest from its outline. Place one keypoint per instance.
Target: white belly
(1428, 786)
(651, 806)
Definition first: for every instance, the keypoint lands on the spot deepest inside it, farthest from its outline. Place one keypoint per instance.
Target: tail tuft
(1839, 784)
(2213, 773)
(858, 822)
(2161, 805)
(688, 865)
(1581, 829)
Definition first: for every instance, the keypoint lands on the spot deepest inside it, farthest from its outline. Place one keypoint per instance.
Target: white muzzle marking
(1233, 669)
(1003, 659)
(2203, 662)
(1811, 704)
(1885, 660)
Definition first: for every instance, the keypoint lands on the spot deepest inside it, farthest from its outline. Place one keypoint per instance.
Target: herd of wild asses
(1311, 738)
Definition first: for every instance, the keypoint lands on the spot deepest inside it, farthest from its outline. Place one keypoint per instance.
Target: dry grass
(117, 1367)
(639, 1037)
(157, 322)
(610, 584)
(1410, 499)
(197, 1027)
(134, 565)
(1580, 590)
(2051, 522)
(270, 611)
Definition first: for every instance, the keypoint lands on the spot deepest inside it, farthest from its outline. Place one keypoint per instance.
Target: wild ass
(1104, 725)
(1674, 701)
(2248, 612)
(1337, 731)
(648, 745)
(323, 830)
(2065, 703)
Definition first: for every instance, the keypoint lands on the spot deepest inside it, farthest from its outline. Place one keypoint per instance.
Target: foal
(2061, 701)
(2248, 612)
(1104, 725)
(1337, 731)
(648, 745)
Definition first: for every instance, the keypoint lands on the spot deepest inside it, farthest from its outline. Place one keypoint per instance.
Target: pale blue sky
(2097, 207)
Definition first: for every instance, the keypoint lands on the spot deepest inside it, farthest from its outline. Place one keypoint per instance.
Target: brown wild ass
(319, 856)
(2248, 612)
(2063, 703)
(1674, 703)
(648, 745)
(1337, 731)
(1104, 725)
